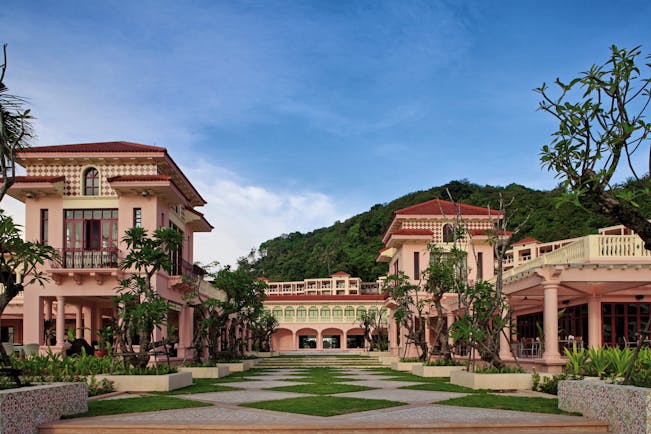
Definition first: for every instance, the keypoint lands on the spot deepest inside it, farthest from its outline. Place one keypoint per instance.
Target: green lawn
(137, 405)
(321, 388)
(200, 385)
(505, 402)
(323, 405)
(320, 375)
(440, 385)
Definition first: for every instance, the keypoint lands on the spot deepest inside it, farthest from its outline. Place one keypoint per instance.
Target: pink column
(594, 322)
(392, 327)
(47, 308)
(319, 342)
(550, 320)
(32, 316)
(344, 341)
(79, 325)
(61, 320)
(186, 330)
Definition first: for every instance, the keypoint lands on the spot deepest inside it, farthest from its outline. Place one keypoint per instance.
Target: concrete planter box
(388, 360)
(627, 409)
(378, 354)
(206, 372)
(491, 381)
(149, 383)
(404, 366)
(242, 366)
(435, 371)
(22, 410)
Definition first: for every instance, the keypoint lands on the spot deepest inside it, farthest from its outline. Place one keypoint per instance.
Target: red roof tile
(96, 147)
(340, 273)
(444, 207)
(412, 232)
(40, 178)
(528, 240)
(140, 178)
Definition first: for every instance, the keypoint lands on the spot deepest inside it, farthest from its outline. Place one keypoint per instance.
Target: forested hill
(352, 245)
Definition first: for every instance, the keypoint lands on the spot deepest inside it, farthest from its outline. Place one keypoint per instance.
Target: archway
(282, 340)
(307, 339)
(355, 338)
(332, 338)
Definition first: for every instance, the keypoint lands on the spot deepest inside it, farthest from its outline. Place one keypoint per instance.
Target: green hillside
(352, 245)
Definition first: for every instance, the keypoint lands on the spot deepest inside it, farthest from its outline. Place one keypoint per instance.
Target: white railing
(590, 249)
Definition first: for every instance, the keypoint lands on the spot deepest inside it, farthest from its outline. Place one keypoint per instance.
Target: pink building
(80, 199)
(593, 290)
(321, 313)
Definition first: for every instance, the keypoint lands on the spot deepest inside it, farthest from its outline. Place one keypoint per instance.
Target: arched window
(372, 311)
(277, 312)
(300, 312)
(337, 313)
(325, 312)
(313, 313)
(91, 182)
(361, 311)
(289, 312)
(448, 234)
(349, 312)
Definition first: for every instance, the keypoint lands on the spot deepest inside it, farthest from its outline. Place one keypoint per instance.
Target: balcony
(80, 259)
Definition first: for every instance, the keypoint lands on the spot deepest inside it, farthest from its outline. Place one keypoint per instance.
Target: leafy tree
(15, 129)
(262, 328)
(19, 259)
(602, 130)
(19, 266)
(373, 324)
(140, 308)
(411, 310)
(601, 115)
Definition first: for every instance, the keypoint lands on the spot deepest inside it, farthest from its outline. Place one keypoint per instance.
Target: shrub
(99, 387)
(445, 362)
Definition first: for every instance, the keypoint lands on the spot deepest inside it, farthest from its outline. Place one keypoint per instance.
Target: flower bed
(509, 381)
(206, 372)
(627, 409)
(435, 371)
(23, 409)
(149, 383)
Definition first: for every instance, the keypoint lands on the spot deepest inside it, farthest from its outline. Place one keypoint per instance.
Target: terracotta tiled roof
(444, 207)
(528, 240)
(96, 147)
(412, 232)
(140, 178)
(340, 273)
(40, 178)
(378, 297)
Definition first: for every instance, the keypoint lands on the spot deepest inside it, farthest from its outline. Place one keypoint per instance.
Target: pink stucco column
(319, 341)
(594, 322)
(61, 320)
(392, 327)
(344, 341)
(550, 320)
(32, 316)
(79, 325)
(186, 330)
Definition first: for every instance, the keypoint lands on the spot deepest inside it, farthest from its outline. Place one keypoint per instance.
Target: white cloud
(245, 215)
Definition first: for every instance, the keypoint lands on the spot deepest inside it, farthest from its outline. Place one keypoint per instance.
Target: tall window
(396, 268)
(448, 233)
(176, 256)
(480, 266)
(91, 238)
(44, 226)
(91, 182)
(137, 217)
(416, 265)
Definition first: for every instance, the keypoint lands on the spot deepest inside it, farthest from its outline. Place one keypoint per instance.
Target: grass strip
(321, 388)
(323, 405)
(440, 385)
(136, 405)
(506, 402)
(200, 385)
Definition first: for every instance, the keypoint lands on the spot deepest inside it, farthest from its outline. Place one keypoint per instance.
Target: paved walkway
(421, 409)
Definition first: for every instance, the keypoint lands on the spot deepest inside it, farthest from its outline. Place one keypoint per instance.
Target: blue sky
(289, 115)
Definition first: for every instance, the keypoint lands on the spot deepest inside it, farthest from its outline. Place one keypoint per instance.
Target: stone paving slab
(383, 384)
(403, 395)
(263, 384)
(241, 396)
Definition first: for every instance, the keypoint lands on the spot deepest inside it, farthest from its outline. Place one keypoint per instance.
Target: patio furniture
(570, 343)
(529, 348)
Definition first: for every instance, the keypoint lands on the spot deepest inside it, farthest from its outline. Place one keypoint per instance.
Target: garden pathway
(420, 414)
